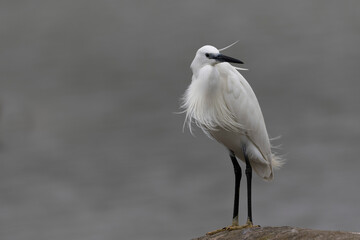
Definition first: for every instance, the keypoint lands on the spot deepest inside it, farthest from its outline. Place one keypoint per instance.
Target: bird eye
(207, 55)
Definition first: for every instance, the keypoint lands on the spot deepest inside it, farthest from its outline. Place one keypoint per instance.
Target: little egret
(221, 102)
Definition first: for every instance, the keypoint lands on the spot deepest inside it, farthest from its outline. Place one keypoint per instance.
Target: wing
(242, 102)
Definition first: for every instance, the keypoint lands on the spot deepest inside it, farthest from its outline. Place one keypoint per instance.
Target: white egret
(221, 102)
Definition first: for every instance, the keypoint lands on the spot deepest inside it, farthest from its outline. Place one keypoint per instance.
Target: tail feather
(266, 171)
(276, 161)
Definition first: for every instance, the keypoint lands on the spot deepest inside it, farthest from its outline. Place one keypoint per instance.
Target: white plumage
(221, 102)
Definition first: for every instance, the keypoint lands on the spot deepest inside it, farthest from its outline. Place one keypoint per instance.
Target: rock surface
(279, 233)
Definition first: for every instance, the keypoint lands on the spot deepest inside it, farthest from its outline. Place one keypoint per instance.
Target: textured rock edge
(279, 233)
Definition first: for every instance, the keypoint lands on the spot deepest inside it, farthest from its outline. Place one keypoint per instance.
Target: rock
(280, 233)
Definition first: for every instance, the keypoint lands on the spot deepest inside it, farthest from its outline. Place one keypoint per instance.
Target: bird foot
(248, 224)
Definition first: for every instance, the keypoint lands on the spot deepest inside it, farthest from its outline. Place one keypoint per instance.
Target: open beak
(223, 58)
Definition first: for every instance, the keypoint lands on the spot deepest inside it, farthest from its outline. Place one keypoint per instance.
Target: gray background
(91, 147)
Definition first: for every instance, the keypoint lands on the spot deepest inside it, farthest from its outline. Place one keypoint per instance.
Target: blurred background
(91, 146)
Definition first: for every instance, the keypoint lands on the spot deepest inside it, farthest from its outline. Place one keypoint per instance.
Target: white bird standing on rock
(221, 102)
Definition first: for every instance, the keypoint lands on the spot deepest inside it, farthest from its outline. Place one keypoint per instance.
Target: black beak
(223, 58)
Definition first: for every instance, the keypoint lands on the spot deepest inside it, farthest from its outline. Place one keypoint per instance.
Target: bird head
(209, 55)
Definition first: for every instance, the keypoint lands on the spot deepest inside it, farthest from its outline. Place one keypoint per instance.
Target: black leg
(237, 171)
(248, 172)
